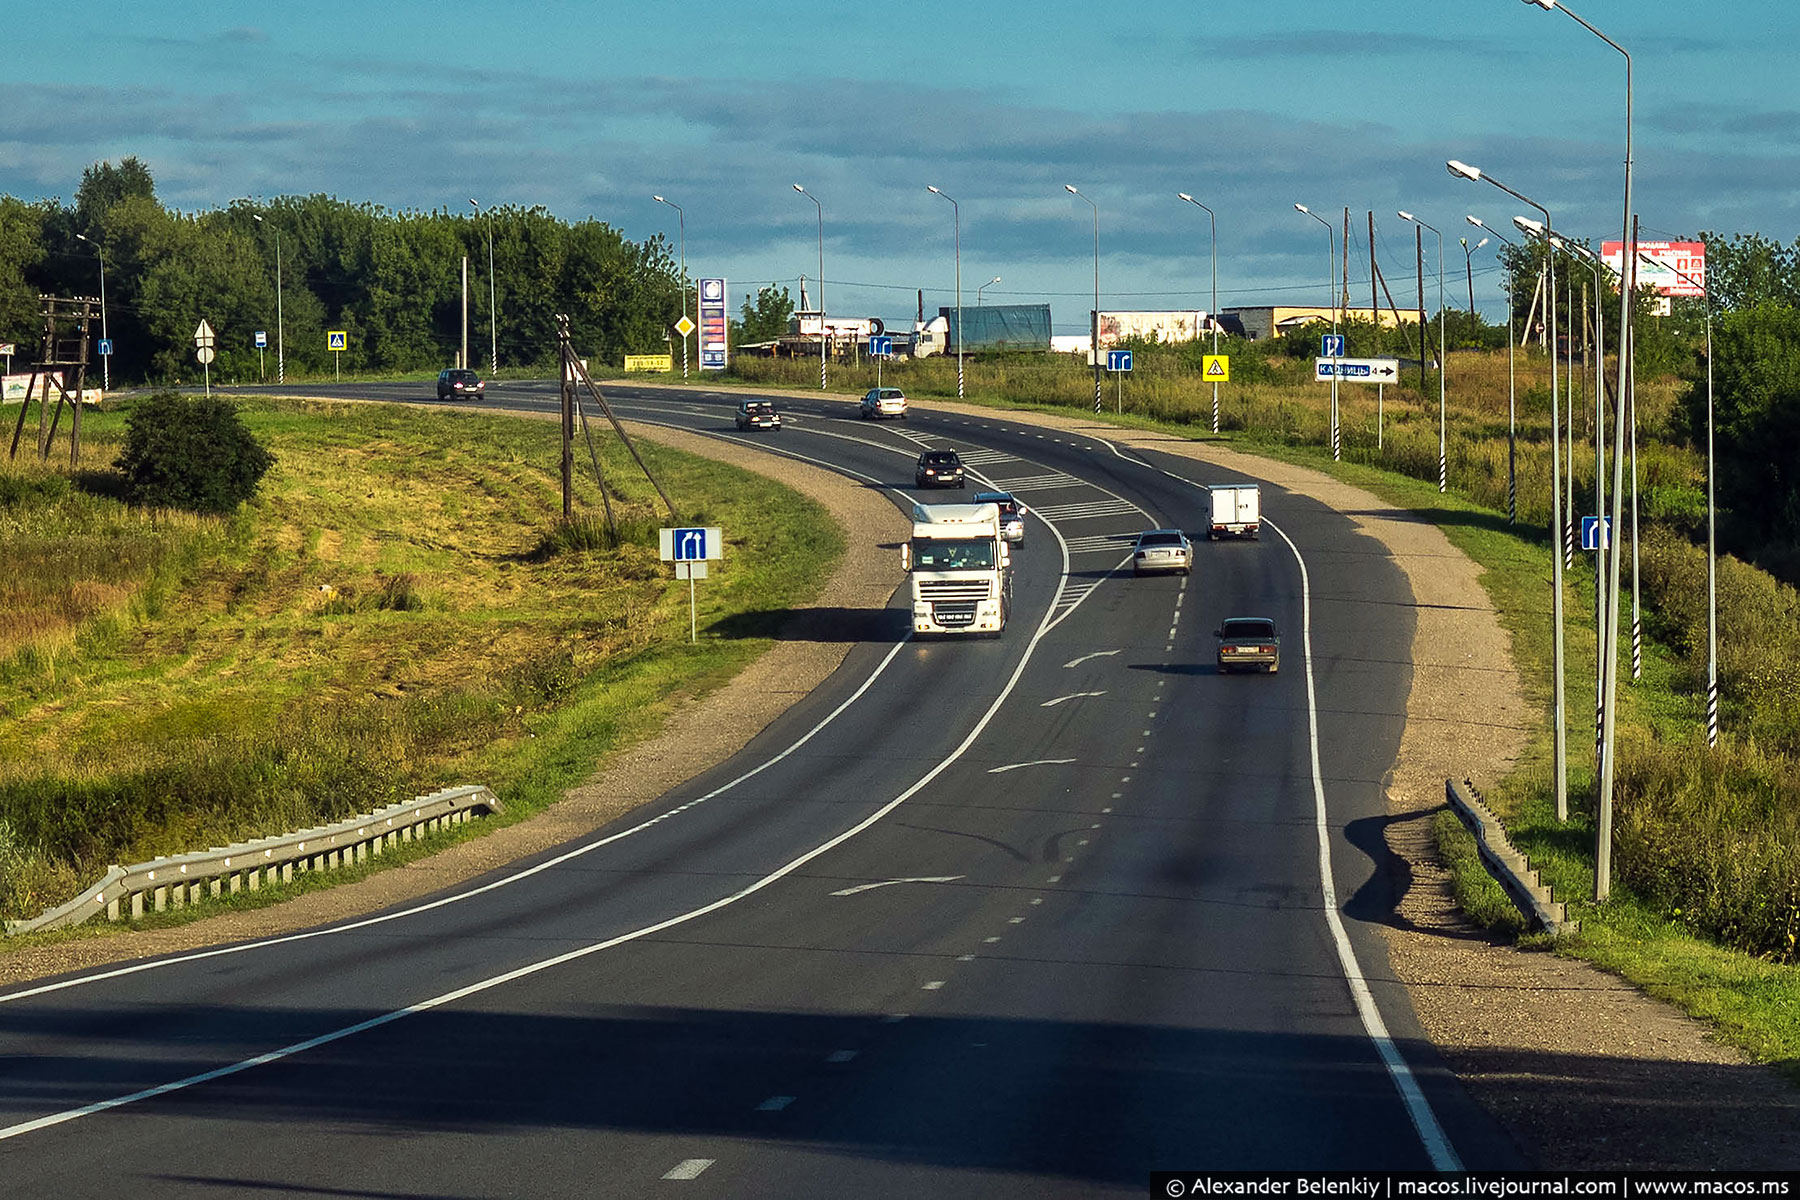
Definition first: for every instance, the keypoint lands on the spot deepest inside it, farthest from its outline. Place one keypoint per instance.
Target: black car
(939, 468)
(459, 381)
(757, 414)
(1249, 643)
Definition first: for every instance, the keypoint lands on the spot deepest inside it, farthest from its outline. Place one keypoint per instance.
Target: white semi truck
(1236, 510)
(961, 569)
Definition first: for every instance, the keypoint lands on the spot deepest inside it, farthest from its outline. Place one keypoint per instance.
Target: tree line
(392, 281)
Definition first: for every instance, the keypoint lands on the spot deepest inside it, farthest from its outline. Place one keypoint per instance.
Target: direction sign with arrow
(1357, 370)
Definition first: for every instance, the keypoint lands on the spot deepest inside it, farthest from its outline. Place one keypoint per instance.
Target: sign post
(203, 350)
(336, 341)
(1119, 363)
(690, 550)
(880, 346)
(262, 344)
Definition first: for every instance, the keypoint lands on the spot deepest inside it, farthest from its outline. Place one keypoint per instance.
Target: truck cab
(960, 569)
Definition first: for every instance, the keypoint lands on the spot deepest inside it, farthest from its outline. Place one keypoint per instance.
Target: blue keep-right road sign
(1118, 360)
(1331, 345)
(1591, 536)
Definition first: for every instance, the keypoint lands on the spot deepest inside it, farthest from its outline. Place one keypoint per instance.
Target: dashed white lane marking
(1056, 879)
(689, 1168)
(1082, 842)
(1015, 920)
(1076, 662)
(1037, 900)
(775, 1104)
(965, 958)
(1070, 696)
(990, 941)
(1106, 810)
(1036, 762)
(840, 1056)
(869, 887)
(1153, 714)
(933, 986)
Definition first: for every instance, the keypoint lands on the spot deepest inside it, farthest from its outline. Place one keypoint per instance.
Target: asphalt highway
(1027, 916)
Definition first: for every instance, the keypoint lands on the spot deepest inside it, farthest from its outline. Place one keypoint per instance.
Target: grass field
(394, 612)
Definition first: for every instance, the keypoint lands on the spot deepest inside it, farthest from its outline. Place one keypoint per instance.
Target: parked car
(757, 414)
(1162, 550)
(459, 381)
(883, 402)
(1246, 643)
(939, 468)
(1012, 514)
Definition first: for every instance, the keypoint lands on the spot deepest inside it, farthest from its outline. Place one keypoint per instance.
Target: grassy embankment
(1705, 907)
(396, 611)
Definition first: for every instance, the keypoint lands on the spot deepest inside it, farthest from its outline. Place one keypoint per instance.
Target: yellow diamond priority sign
(685, 326)
(1215, 368)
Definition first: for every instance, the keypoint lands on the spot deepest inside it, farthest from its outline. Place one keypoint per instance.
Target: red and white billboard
(1658, 263)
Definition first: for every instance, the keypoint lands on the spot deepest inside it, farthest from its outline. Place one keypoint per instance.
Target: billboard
(1178, 326)
(1658, 263)
(714, 328)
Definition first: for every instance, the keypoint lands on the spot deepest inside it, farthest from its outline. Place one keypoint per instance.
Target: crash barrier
(180, 880)
(1504, 862)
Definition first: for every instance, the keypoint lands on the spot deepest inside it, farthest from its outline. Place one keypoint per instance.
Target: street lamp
(280, 342)
(1512, 407)
(1213, 239)
(1094, 330)
(822, 336)
(956, 213)
(1330, 290)
(1559, 733)
(1443, 359)
(1469, 267)
(1627, 281)
(681, 218)
(493, 313)
(984, 287)
(105, 359)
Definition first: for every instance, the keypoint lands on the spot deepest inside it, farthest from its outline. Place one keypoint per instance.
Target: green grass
(401, 607)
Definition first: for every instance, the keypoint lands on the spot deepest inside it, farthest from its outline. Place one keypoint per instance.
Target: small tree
(192, 453)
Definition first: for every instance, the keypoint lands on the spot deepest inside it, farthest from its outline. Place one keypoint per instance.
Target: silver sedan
(1162, 550)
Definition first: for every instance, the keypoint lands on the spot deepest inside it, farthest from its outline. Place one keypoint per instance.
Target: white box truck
(960, 567)
(1236, 510)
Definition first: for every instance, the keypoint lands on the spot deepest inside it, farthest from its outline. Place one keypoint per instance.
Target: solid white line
(689, 1168)
(869, 887)
(1036, 762)
(1437, 1144)
(580, 952)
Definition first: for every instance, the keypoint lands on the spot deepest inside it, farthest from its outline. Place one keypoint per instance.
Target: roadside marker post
(690, 550)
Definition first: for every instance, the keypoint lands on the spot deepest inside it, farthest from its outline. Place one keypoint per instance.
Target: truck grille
(954, 589)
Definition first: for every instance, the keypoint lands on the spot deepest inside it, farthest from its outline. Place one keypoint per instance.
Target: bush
(191, 453)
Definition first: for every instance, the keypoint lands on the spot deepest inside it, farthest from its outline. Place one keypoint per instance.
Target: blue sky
(589, 109)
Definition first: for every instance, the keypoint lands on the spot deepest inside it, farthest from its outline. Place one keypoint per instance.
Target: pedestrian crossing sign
(1216, 368)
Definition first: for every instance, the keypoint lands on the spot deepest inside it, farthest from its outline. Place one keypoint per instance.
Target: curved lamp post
(1559, 731)
(493, 313)
(956, 214)
(105, 359)
(1094, 330)
(1331, 291)
(1512, 405)
(681, 222)
(984, 287)
(823, 337)
(1213, 239)
(1443, 359)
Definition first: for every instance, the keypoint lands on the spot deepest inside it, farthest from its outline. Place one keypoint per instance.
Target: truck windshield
(953, 554)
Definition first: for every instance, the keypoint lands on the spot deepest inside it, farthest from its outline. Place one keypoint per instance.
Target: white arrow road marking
(689, 1168)
(869, 887)
(1076, 662)
(1036, 762)
(1070, 696)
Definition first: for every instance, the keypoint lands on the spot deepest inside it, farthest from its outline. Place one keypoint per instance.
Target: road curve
(1031, 915)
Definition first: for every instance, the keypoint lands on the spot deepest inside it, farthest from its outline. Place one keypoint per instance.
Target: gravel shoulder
(1584, 1070)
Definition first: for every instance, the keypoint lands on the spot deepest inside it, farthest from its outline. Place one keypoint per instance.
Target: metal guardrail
(1504, 862)
(185, 879)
